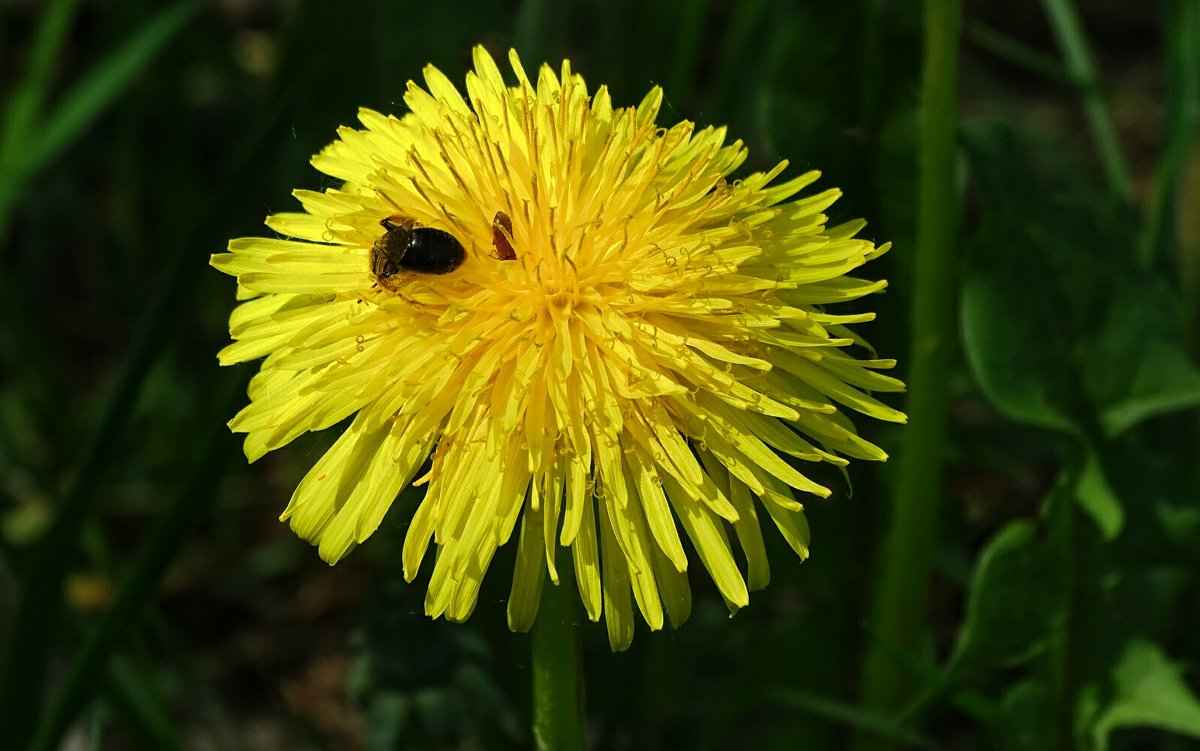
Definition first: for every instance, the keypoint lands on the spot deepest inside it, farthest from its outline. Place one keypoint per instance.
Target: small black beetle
(405, 246)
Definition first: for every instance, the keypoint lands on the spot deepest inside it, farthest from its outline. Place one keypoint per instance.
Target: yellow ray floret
(647, 375)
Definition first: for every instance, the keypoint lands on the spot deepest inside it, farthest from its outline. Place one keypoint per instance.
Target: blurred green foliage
(151, 600)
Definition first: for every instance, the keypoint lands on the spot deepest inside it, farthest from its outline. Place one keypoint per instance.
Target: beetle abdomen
(432, 251)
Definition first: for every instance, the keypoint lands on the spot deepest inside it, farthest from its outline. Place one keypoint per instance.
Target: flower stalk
(906, 565)
(557, 677)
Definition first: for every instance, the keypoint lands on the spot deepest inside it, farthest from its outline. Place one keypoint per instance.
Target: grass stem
(1181, 25)
(1068, 29)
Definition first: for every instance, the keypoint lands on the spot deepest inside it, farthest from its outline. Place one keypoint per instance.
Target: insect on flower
(502, 229)
(406, 246)
(640, 392)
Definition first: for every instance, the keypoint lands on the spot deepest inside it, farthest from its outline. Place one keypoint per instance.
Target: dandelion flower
(629, 356)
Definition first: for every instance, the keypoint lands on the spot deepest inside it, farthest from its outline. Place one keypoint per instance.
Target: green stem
(1181, 22)
(906, 564)
(1064, 20)
(1062, 666)
(557, 678)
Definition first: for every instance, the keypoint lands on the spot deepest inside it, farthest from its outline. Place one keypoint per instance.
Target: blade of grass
(89, 98)
(856, 718)
(906, 566)
(1018, 53)
(25, 100)
(1181, 24)
(1077, 57)
(190, 503)
(39, 603)
(142, 709)
(22, 107)
(933, 684)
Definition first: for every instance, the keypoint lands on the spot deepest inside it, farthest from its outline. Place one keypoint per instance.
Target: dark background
(140, 136)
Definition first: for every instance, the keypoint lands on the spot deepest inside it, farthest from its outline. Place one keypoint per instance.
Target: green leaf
(1162, 380)
(1012, 334)
(1149, 692)
(1010, 602)
(388, 719)
(1180, 524)
(1026, 718)
(1060, 329)
(1136, 367)
(1096, 496)
(1029, 285)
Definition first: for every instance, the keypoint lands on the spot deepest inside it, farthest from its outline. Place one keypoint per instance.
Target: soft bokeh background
(139, 136)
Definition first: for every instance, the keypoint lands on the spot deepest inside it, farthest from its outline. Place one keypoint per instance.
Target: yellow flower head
(619, 342)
